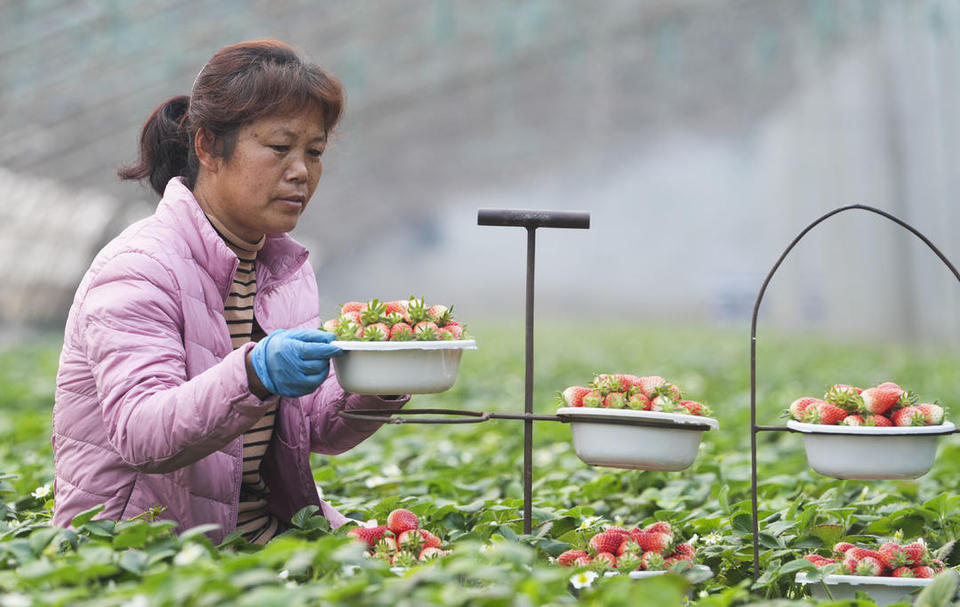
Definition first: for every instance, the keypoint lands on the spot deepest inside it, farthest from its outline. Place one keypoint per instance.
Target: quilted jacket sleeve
(331, 434)
(157, 420)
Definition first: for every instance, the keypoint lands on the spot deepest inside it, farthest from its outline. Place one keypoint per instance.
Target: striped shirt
(253, 516)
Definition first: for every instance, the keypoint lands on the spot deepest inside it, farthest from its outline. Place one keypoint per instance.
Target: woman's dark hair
(240, 84)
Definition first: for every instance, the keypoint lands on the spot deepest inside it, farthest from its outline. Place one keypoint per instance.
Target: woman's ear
(203, 145)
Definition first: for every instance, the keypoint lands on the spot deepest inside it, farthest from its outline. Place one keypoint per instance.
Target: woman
(192, 375)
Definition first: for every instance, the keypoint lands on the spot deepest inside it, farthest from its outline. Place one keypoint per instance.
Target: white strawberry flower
(391, 470)
(588, 522)
(15, 599)
(584, 579)
(188, 554)
(284, 574)
(712, 538)
(42, 491)
(138, 600)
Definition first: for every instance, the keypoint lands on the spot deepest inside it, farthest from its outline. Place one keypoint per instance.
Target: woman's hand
(293, 362)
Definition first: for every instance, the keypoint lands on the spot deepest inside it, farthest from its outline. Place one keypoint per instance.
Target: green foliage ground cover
(465, 483)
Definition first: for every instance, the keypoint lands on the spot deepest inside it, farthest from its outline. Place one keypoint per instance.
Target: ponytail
(165, 147)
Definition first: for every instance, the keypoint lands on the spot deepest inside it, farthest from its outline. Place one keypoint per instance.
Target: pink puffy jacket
(151, 398)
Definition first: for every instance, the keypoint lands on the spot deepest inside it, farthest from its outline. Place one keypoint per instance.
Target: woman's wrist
(253, 380)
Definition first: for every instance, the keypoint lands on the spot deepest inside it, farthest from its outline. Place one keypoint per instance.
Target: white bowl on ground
(636, 440)
(399, 367)
(883, 590)
(871, 452)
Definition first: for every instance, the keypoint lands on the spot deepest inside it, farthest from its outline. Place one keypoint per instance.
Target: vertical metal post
(531, 220)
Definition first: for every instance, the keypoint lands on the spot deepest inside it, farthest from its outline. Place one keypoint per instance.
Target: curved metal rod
(387, 416)
(753, 351)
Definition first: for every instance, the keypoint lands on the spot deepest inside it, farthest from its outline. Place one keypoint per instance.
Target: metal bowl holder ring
(754, 428)
(530, 220)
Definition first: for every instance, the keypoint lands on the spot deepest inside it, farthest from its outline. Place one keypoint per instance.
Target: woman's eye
(316, 153)
(279, 148)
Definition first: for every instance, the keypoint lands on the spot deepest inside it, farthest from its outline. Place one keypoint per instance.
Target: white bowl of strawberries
(848, 423)
(633, 422)
(397, 347)
(887, 574)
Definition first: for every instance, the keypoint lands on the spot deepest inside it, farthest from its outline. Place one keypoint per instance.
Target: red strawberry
(923, 571)
(654, 541)
(660, 527)
(606, 559)
(608, 383)
(852, 420)
(583, 561)
(673, 560)
(694, 408)
(902, 572)
(353, 317)
(823, 413)
(845, 397)
(849, 565)
(933, 413)
(917, 553)
(592, 399)
(330, 325)
(859, 554)
(639, 402)
(938, 565)
(842, 547)
(799, 407)
(411, 540)
(378, 331)
(395, 307)
(606, 541)
(573, 396)
(662, 402)
(615, 400)
(880, 421)
(819, 561)
(652, 560)
(426, 330)
(630, 546)
(869, 565)
(416, 311)
(629, 562)
(685, 550)
(455, 330)
(618, 530)
(439, 314)
(401, 332)
(649, 384)
(881, 399)
(352, 306)
(370, 535)
(386, 546)
(894, 556)
(429, 539)
(567, 558)
(373, 313)
(401, 520)
(431, 552)
(909, 416)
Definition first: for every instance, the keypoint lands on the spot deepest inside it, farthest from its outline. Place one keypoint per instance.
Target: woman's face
(267, 181)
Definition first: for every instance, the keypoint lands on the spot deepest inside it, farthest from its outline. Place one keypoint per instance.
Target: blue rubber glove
(294, 362)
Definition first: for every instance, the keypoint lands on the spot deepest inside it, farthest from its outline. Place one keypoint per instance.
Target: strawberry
(401, 331)
(606, 541)
(848, 566)
(881, 399)
(404, 558)
(894, 556)
(923, 571)
(669, 390)
(606, 560)
(445, 333)
(426, 330)
(659, 527)
(819, 561)
(401, 520)
(649, 384)
(607, 383)
(567, 558)
(430, 540)
(685, 550)
(431, 552)
(673, 560)
(583, 561)
(844, 396)
(395, 307)
(592, 399)
(654, 541)
(416, 311)
(353, 317)
(386, 546)
(933, 413)
(841, 547)
(455, 330)
(799, 407)
(411, 540)
(869, 565)
(630, 546)
(629, 562)
(615, 400)
(353, 306)
(639, 402)
(938, 565)
(859, 554)
(902, 572)
(852, 420)
(439, 314)
(823, 413)
(909, 416)
(374, 312)
(880, 421)
(618, 530)
(377, 331)
(573, 396)
(369, 535)
(662, 402)
(692, 407)
(330, 325)
(917, 553)
(652, 560)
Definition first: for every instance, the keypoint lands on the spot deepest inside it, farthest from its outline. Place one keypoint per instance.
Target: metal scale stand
(754, 427)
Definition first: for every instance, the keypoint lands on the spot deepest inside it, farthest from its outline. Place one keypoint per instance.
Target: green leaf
(303, 515)
(86, 515)
(133, 560)
(941, 590)
(198, 531)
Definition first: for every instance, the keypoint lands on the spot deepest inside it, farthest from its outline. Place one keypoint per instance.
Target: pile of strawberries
(619, 391)
(615, 548)
(401, 542)
(885, 405)
(400, 320)
(891, 559)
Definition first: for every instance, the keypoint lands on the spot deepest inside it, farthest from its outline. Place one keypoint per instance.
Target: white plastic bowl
(399, 367)
(845, 451)
(608, 437)
(883, 590)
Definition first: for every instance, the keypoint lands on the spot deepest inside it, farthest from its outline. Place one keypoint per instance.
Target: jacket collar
(280, 256)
